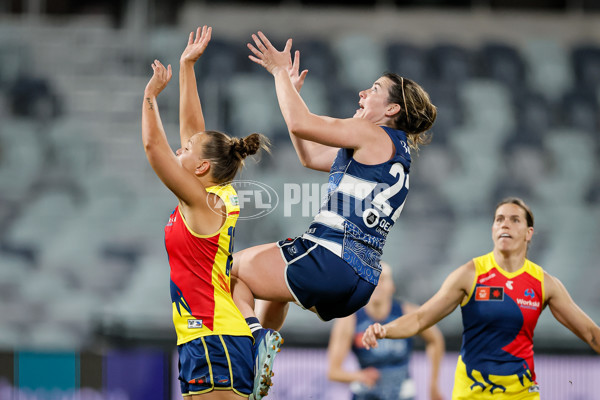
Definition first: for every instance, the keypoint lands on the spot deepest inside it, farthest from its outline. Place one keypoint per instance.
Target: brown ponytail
(418, 113)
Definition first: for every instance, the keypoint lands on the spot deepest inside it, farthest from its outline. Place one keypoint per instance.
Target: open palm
(196, 46)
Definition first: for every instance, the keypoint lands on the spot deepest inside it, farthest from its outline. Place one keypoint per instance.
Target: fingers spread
(254, 50)
(256, 60)
(264, 39)
(258, 43)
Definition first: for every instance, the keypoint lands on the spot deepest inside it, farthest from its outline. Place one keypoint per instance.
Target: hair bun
(239, 148)
(247, 146)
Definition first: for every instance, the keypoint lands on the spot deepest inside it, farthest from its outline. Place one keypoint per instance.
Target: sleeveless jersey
(200, 281)
(499, 317)
(389, 353)
(362, 204)
(390, 357)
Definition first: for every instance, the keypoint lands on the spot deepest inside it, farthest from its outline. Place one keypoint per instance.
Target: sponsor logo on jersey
(489, 293)
(509, 285)
(487, 278)
(530, 303)
(384, 227)
(172, 219)
(194, 323)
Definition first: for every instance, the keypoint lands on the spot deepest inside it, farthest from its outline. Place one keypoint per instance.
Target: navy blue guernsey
(362, 204)
(390, 353)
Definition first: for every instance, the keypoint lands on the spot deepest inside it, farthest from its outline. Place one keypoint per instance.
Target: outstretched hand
(296, 76)
(196, 46)
(268, 56)
(159, 80)
(373, 332)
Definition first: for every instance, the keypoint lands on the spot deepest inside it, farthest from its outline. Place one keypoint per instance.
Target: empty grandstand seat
(572, 168)
(252, 104)
(314, 93)
(585, 59)
(22, 157)
(317, 56)
(343, 101)
(488, 108)
(360, 59)
(407, 59)
(578, 109)
(41, 218)
(534, 116)
(502, 62)
(450, 108)
(451, 62)
(219, 60)
(548, 66)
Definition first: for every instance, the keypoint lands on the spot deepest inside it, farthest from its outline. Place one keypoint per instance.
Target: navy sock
(254, 325)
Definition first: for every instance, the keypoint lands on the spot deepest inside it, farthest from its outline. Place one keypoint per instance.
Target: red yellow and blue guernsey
(499, 316)
(200, 281)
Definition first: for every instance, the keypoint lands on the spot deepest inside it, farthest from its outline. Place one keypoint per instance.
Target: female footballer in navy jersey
(334, 267)
(384, 373)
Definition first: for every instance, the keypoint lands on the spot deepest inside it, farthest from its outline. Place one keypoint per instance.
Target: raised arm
(162, 159)
(312, 155)
(351, 133)
(435, 348)
(569, 314)
(191, 118)
(340, 343)
(454, 289)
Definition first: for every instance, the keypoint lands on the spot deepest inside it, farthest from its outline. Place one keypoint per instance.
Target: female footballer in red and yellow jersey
(499, 317)
(214, 342)
(501, 295)
(200, 275)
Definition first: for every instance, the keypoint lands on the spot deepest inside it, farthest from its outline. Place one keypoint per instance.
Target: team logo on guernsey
(194, 323)
(370, 217)
(489, 293)
(534, 389)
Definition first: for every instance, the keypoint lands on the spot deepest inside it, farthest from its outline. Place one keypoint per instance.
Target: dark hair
(227, 154)
(519, 202)
(417, 113)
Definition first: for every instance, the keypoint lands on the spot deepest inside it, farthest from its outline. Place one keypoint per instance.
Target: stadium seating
(82, 213)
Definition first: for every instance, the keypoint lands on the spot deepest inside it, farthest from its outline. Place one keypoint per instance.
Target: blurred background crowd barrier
(301, 374)
(82, 261)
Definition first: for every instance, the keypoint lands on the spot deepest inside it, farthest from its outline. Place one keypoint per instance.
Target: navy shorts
(216, 362)
(319, 278)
